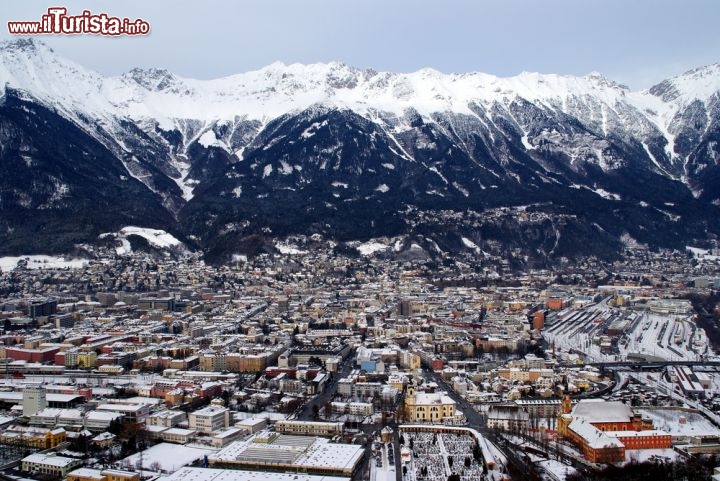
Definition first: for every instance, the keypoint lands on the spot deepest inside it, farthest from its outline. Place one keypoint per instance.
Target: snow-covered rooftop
(302, 451)
(206, 474)
(600, 411)
(594, 437)
(169, 457)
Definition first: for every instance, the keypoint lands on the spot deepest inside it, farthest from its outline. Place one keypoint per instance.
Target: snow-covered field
(643, 455)
(167, 457)
(288, 249)
(155, 237)
(671, 421)
(41, 262)
(702, 254)
(371, 247)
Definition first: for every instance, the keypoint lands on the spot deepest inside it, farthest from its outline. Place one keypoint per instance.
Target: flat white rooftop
(307, 452)
(207, 474)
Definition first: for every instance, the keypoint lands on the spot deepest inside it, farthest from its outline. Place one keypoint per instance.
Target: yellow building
(87, 359)
(429, 407)
(119, 475)
(33, 437)
(175, 397)
(397, 381)
(87, 474)
(409, 360)
(514, 374)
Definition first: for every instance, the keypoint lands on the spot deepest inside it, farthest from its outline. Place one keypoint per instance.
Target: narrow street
(320, 400)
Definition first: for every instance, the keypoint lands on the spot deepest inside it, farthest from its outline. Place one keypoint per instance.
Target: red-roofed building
(603, 430)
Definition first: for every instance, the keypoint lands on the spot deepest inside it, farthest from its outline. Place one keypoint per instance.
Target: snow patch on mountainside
(288, 249)
(606, 195)
(155, 237)
(41, 262)
(371, 247)
(208, 139)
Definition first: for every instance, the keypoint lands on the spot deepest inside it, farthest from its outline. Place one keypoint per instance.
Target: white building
(177, 435)
(206, 474)
(100, 420)
(209, 419)
(49, 464)
(309, 428)
(225, 437)
(508, 418)
(251, 425)
(168, 418)
(34, 400)
(268, 451)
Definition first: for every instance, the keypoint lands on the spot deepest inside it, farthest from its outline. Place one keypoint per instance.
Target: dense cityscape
(315, 365)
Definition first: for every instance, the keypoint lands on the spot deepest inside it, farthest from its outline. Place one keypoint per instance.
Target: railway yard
(602, 333)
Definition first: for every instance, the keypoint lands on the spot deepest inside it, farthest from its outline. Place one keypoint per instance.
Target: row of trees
(692, 469)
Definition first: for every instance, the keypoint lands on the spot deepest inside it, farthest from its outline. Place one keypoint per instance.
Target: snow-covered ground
(681, 423)
(288, 249)
(702, 254)
(643, 455)
(371, 247)
(666, 336)
(155, 237)
(42, 262)
(167, 457)
(557, 470)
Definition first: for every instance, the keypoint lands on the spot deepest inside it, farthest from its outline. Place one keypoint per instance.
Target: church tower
(564, 417)
(566, 405)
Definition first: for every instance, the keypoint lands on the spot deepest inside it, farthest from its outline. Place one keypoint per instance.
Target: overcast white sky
(636, 42)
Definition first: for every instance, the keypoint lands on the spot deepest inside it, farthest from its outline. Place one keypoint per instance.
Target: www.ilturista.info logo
(57, 21)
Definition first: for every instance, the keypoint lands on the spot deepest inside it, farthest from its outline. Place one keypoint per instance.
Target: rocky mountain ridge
(347, 153)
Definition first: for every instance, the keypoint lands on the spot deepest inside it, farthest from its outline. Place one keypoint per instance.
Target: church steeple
(566, 405)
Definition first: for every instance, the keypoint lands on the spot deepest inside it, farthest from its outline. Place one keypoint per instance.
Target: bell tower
(566, 405)
(564, 417)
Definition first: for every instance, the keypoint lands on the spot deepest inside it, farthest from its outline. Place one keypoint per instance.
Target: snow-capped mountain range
(345, 152)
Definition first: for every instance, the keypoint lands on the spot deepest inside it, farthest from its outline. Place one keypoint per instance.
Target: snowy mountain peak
(602, 80)
(23, 44)
(279, 88)
(30, 66)
(153, 78)
(699, 83)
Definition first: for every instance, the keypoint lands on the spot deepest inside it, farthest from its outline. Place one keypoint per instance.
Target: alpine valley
(543, 166)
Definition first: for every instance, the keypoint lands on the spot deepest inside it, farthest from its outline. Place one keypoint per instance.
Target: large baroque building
(431, 407)
(603, 430)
